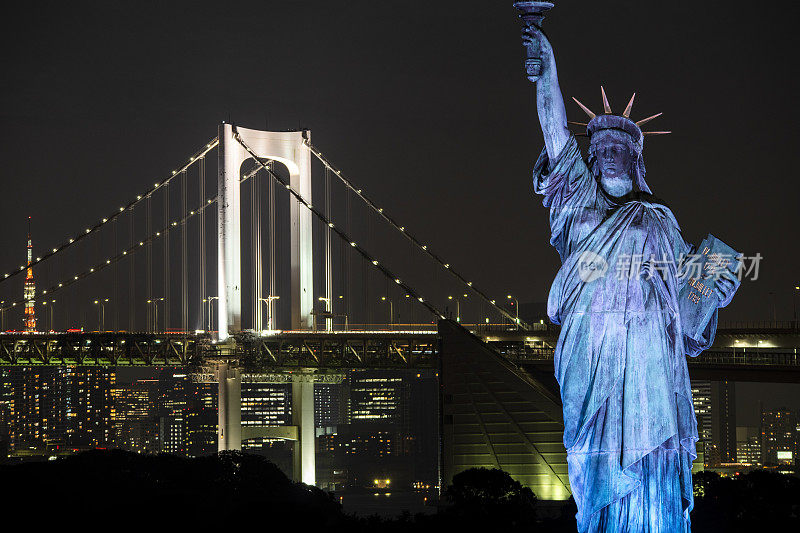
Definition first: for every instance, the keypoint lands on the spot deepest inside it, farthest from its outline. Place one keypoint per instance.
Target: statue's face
(614, 159)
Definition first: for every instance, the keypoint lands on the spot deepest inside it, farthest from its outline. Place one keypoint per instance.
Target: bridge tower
(288, 148)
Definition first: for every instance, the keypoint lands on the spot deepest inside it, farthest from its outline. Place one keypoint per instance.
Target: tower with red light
(30, 287)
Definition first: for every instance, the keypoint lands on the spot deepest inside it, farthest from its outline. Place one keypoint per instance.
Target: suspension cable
(127, 207)
(202, 243)
(424, 247)
(118, 257)
(184, 257)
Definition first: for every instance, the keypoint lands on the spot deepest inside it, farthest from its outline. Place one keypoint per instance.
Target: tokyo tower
(30, 287)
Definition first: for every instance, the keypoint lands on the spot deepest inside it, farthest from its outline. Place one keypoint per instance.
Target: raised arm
(549, 102)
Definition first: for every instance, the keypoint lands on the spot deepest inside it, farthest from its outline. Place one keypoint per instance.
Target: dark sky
(424, 104)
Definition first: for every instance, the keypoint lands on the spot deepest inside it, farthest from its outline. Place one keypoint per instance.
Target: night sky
(424, 104)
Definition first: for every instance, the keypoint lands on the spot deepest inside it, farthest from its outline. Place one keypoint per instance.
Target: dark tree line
(102, 489)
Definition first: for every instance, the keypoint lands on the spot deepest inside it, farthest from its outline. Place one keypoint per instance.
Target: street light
(51, 311)
(154, 302)
(391, 310)
(2, 315)
(458, 306)
(101, 313)
(268, 300)
(209, 300)
(515, 304)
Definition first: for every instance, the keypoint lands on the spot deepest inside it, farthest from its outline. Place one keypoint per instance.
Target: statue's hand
(727, 284)
(533, 34)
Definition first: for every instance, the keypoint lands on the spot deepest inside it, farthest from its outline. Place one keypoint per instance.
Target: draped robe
(629, 422)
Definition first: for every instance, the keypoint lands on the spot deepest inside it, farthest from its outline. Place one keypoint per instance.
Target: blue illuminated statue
(629, 423)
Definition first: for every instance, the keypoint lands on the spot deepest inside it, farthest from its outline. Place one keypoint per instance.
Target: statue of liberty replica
(633, 300)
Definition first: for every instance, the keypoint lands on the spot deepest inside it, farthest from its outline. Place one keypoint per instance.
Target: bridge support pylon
(305, 468)
(229, 426)
(289, 149)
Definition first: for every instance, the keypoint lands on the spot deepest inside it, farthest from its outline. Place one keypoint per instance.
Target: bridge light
(121, 209)
(420, 299)
(353, 244)
(447, 265)
(424, 246)
(105, 220)
(375, 263)
(71, 241)
(88, 230)
(139, 197)
(108, 261)
(330, 224)
(54, 249)
(397, 281)
(470, 284)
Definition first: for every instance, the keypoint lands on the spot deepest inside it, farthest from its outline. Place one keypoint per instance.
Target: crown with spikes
(609, 121)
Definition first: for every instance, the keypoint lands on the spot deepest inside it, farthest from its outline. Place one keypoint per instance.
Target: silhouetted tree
(491, 495)
(759, 499)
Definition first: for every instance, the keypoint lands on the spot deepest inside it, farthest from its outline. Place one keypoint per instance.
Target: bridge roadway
(274, 351)
(758, 354)
(741, 354)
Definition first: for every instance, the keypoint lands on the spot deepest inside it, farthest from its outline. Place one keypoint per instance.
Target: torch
(532, 14)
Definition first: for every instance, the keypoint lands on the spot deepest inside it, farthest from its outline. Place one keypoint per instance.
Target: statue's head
(615, 152)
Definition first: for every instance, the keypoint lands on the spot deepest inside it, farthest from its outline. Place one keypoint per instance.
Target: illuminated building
(701, 398)
(327, 405)
(61, 407)
(723, 422)
(88, 406)
(38, 409)
(778, 437)
(268, 404)
(30, 288)
(6, 402)
(748, 445)
(375, 441)
(201, 419)
(135, 416)
(173, 409)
